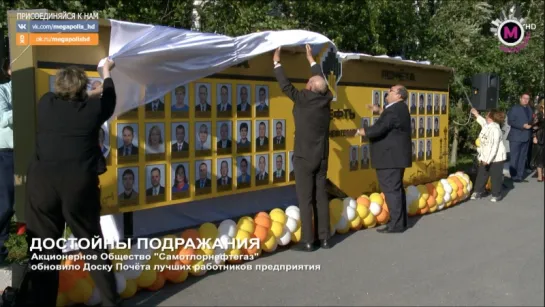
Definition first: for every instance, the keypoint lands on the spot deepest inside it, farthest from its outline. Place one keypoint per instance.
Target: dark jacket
(390, 138)
(311, 114)
(517, 117)
(67, 131)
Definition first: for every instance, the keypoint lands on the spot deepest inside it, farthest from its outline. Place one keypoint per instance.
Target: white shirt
(6, 116)
(152, 150)
(491, 148)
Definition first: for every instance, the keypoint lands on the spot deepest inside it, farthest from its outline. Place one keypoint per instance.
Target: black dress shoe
(388, 230)
(325, 244)
(305, 247)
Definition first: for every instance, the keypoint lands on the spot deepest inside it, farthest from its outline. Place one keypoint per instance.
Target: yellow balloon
(180, 277)
(90, 280)
(243, 237)
(80, 292)
(478, 142)
(433, 208)
(296, 235)
(376, 198)
(356, 223)
(147, 278)
(345, 229)
(62, 300)
(422, 203)
(279, 216)
(208, 231)
(335, 210)
(370, 221)
(270, 242)
(277, 228)
(130, 289)
(208, 251)
(362, 210)
(413, 207)
(246, 224)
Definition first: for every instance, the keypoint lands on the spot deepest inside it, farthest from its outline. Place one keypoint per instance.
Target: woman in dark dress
(62, 182)
(538, 154)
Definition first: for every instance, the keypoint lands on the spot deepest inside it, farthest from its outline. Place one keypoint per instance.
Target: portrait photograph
(155, 108)
(224, 104)
(421, 150)
(261, 170)
(365, 122)
(353, 158)
(203, 139)
(179, 102)
(429, 104)
(413, 127)
(279, 138)
(127, 143)
(224, 174)
(443, 103)
(429, 126)
(155, 183)
(421, 103)
(244, 136)
(127, 186)
(436, 126)
(244, 172)
(414, 151)
(421, 126)
(155, 141)
(94, 83)
(203, 104)
(384, 102)
(262, 139)
(261, 101)
(203, 172)
(436, 104)
(104, 142)
(224, 137)
(292, 168)
(279, 167)
(428, 149)
(180, 180)
(179, 140)
(244, 107)
(376, 100)
(365, 162)
(412, 104)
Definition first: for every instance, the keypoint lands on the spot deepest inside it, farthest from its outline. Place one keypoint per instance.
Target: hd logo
(332, 67)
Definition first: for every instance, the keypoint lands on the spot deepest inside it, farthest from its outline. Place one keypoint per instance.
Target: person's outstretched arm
(108, 99)
(285, 84)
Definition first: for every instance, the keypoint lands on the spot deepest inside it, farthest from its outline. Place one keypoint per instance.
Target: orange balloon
(67, 279)
(191, 235)
(460, 191)
(264, 221)
(431, 190)
(383, 217)
(251, 250)
(364, 201)
(261, 232)
(158, 283)
(262, 214)
(186, 254)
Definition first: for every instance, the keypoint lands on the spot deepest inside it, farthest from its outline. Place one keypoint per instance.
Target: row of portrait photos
(155, 144)
(155, 185)
(361, 159)
(203, 102)
(418, 103)
(428, 126)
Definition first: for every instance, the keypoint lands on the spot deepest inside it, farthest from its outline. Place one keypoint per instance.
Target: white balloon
(225, 241)
(285, 237)
(294, 213)
(342, 223)
(227, 227)
(446, 186)
(441, 206)
(131, 272)
(218, 255)
(375, 208)
(95, 298)
(142, 251)
(350, 213)
(346, 202)
(446, 198)
(353, 203)
(291, 224)
(121, 282)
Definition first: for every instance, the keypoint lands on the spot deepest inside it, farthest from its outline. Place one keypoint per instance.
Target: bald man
(311, 114)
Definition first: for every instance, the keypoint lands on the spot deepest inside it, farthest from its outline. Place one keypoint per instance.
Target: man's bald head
(317, 84)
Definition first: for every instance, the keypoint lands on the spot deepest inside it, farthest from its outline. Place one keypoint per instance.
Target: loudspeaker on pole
(485, 91)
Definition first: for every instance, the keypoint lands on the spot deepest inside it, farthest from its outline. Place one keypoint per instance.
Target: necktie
(126, 151)
(202, 183)
(202, 147)
(278, 141)
(224, 181)
(202, 108)
(154, 107)
(179, 147)
(243, 178)
(155, 191)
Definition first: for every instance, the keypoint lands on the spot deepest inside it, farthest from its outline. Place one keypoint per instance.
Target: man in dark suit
(428, 150)
(420, 150)
(421, 129)
(262, 174)
(520, 120)
(414, 152)
(390, 139)
(279, 172)
(421, 104)
(224, 104)
(181, 144)
(156, 105)
(156, 188)
(203, 181)
(203, 105)
(311, 114)
(127, 149)
(262, 140)
(413, 103)
(224, 141)
(224, 172)
(279, 139)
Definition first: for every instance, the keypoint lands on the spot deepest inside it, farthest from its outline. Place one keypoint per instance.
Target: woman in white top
(155, 141)
(491, 154)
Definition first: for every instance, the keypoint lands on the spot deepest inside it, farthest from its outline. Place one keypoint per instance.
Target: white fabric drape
(153, 60)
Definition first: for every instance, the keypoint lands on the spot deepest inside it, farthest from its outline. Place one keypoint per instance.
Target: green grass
(464, 163)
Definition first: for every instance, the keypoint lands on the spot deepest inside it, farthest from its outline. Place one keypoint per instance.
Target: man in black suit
(311, 114)
(127, 149)
(262, 174)
(414, 152)
(279, 172)
(203, 181)
(421, 104)
(224, 104)
(181, 144)
(224, 141)
(279, 139)
(262, 140)
(156, 105)
(420, 150)
(156, 188)
(224, 172)
(203, 105)
(390, 139)
(428, 150)
(421, 129)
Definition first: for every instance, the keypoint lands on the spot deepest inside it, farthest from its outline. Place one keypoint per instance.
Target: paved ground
(477, 253)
